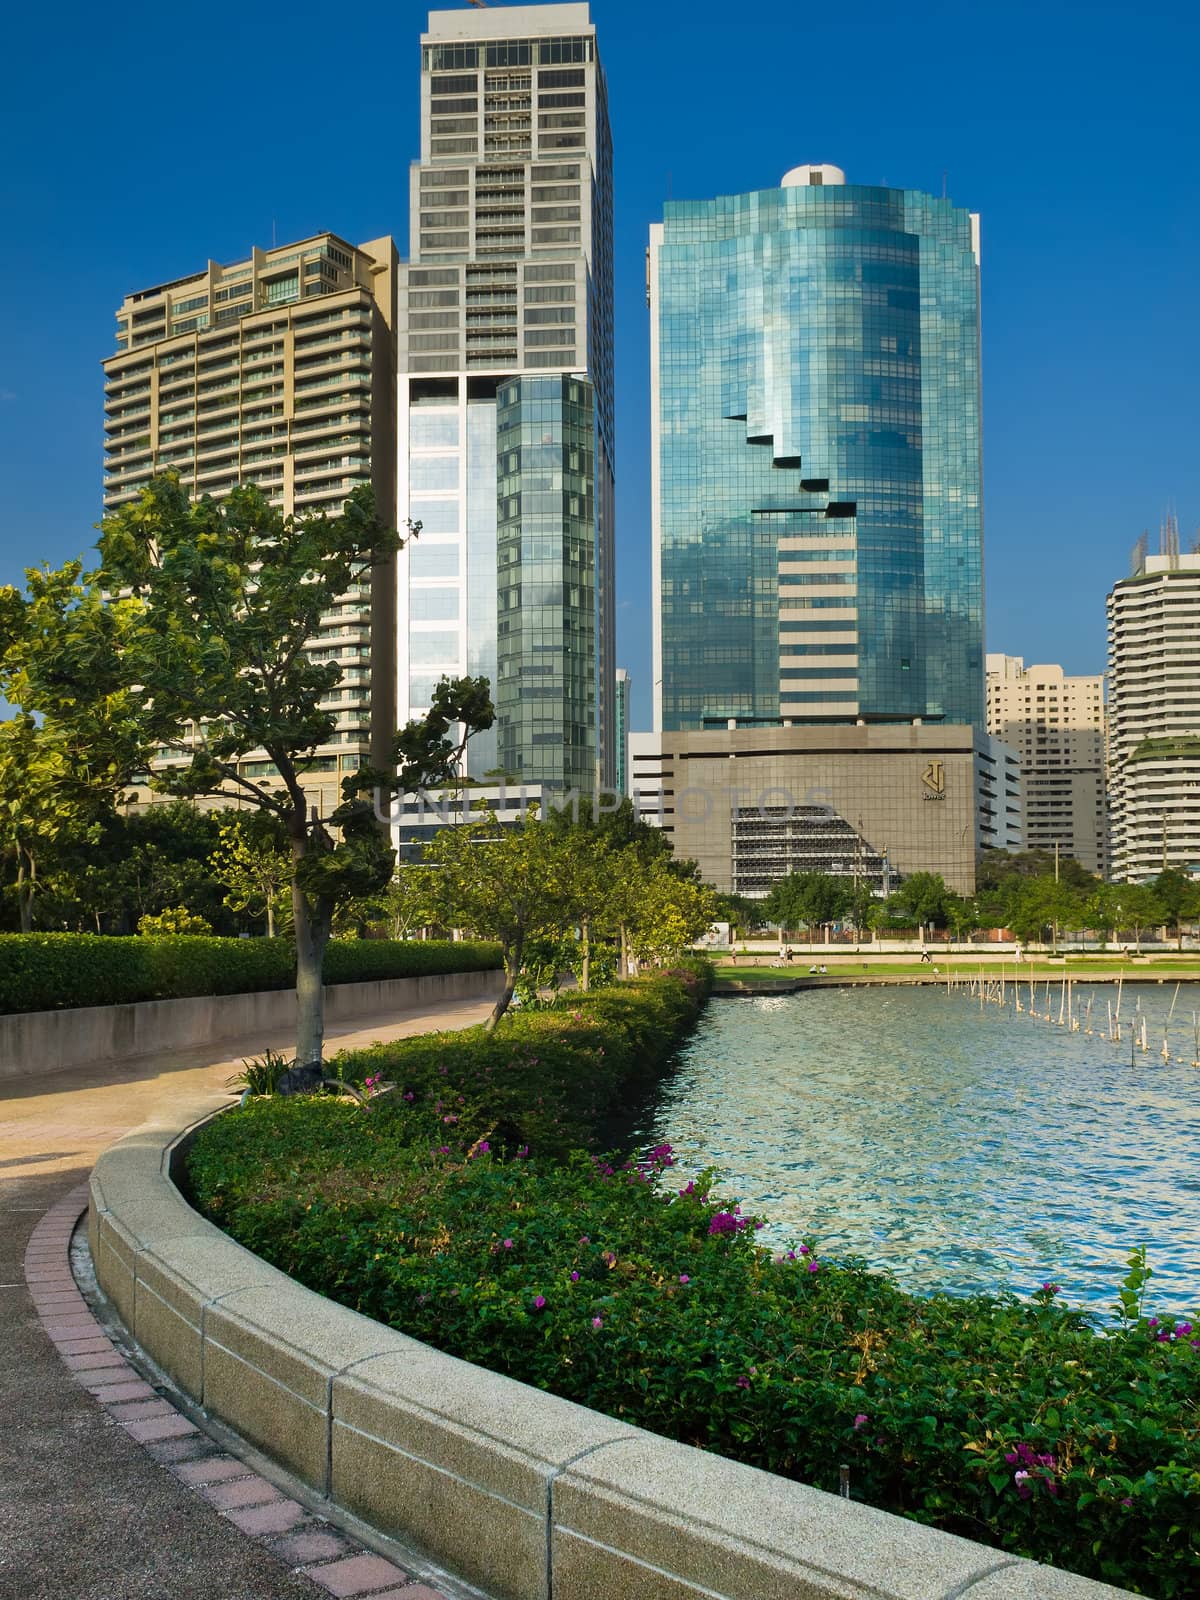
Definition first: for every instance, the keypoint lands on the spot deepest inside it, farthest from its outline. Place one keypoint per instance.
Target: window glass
(432, 560)
(433, 472)
(428, 649)
(433, 429)
(435, 516)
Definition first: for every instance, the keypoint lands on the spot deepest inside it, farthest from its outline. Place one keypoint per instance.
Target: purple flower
(1182, 1329)
(409, 1095)
(522, 1151)
(539, 1300)
(484, 1147)
(597, 1322)
(1153, 1323)
(1051, 1288)
(508, 1244)
(814, 1266)
(574, 1277)
(743, 1383)
(860, 1421)
(724, 1222)
(450, 1119)
(683, 1278)
(584, 1239)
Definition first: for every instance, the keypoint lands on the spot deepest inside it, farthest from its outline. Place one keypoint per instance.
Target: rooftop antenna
(945, 175)
(273, 239)
(1168, 536)
(1137, 556)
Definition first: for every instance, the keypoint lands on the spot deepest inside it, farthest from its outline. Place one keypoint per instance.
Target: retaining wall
(529, 1496)
(50, 1041)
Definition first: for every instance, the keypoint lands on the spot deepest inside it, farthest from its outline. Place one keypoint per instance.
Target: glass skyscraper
(817, 508)
(506, 392)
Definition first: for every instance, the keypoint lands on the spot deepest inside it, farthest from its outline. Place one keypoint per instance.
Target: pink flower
(508, 1244)
(597, 1322)
(814, 1266)
(539, 1300)
(742, 1383)
(860, 1421)
(683, 1278)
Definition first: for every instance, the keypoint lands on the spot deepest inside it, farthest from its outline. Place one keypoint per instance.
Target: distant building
(506, 390)
(1055, 723)
(621, 783)
(1154, 716)
(816, 477)
(873, 803)
(278, 370)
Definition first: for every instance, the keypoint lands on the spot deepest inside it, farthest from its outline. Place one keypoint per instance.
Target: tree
(660, 913)
(515, 884)
(1179, 897)
(997, 868)
(66, 756)
(808, 899)
(1137, 906)
(1041, 903)
(172, 922)
(219, 601)
(252, 863)
(924, 898)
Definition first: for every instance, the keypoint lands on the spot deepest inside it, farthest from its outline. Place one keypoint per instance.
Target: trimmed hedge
(58, 971)
(448, 1213)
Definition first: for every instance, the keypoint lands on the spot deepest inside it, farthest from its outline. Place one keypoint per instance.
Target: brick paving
(108, 1491)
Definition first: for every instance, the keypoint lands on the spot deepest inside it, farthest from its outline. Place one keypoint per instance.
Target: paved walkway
(99, 1501)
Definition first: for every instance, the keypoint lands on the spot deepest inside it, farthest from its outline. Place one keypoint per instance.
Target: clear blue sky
(140, 140)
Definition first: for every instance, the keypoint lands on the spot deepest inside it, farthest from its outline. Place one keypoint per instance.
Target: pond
(960, 1148)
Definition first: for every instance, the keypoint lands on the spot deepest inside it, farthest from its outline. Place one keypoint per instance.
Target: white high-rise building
(1055, 722)
(1154, 716)
(506, 392)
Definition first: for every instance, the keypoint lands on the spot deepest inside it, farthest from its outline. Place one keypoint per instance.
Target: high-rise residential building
(816, 477)
(506, 390)
(279, 371)
(621, 778)
(1154, 716)
(1055, 722)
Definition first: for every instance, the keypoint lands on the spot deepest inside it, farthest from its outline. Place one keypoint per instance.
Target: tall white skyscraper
(505, 416)
(1154, 716)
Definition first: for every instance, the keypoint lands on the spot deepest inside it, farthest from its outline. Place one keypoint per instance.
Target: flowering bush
(609, 1281)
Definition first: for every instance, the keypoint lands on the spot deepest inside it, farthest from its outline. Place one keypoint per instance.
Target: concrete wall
(518, 1491)
(49, 1041)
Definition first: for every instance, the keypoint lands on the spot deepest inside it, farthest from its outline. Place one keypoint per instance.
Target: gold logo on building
(934, 779)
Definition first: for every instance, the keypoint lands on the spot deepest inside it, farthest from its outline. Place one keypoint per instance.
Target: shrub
(172, 922)
(50, 971)
(600, 1279)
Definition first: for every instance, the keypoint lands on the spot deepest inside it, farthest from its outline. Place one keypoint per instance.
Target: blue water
(961, 1150)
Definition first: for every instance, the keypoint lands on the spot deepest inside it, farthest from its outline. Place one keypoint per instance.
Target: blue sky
(139, 141)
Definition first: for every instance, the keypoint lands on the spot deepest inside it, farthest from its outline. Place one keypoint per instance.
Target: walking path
(107, 1492)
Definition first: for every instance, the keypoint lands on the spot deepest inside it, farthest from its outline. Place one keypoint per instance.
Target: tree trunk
(624, 968)
(585, 979)
(512, 971)
(313, 925)
(270, 918)
(25, 889)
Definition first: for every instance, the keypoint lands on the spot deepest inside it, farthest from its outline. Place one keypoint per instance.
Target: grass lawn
(1147, 969)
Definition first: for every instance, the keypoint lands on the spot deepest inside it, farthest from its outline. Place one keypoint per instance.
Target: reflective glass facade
(547, 686)
(817, 516)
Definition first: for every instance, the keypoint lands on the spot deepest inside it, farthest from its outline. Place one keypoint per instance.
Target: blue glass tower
(816, 463)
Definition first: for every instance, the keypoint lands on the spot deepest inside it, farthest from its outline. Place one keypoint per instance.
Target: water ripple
(960, 1149)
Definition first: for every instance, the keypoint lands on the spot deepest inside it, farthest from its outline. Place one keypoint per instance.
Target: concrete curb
(527, 1495)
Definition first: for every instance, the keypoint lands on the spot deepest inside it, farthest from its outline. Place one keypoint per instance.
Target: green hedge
(449, 1212)
(52, 971)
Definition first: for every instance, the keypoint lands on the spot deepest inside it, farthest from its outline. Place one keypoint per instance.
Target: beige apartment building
(279, 370)
(1055, 722)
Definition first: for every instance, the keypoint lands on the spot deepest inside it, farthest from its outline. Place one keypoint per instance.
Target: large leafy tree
(66, 756)
(808, 899)
(207, 649)
(518, 884)
(1179, 897)
(252, 863)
